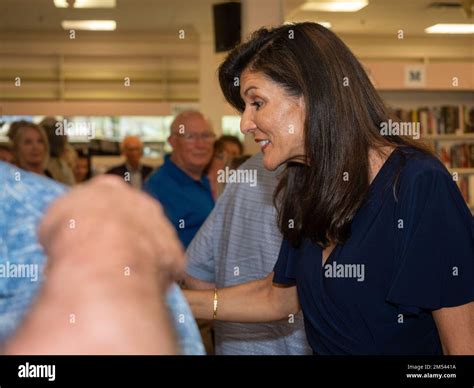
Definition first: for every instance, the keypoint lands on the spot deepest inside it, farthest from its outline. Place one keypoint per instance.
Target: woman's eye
(256, 104)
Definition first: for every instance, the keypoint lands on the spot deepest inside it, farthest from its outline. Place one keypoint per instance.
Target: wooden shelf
(462, 170)
(450, 136)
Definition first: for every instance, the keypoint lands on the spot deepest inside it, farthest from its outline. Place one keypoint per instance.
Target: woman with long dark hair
(378, 243)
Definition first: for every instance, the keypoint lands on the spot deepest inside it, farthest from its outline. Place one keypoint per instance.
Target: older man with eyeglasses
(180, 184)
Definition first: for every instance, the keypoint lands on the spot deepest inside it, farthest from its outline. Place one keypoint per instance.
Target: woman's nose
(247, 125)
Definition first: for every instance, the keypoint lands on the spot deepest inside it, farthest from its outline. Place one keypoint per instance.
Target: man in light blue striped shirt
(240, 242)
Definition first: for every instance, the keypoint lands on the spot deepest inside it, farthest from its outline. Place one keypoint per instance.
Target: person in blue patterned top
(107, 286)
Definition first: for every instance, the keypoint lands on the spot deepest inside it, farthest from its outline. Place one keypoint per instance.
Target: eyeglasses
(193, 137)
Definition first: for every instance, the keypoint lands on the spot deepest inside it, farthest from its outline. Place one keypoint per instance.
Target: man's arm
(200, 253)
(109, 267)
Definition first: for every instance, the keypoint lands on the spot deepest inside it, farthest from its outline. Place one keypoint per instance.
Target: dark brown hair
(84, 154)
(343, 117)
(219, 144)
(238, 161)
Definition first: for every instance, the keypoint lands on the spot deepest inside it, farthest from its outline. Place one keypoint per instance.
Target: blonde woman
(30, 147)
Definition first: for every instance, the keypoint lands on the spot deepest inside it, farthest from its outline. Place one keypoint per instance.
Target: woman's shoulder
(418, 164)
(424, 182)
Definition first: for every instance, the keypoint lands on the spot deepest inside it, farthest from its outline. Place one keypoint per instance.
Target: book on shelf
(456, 153)
(466, 186)
(439, 120)
(459, 155)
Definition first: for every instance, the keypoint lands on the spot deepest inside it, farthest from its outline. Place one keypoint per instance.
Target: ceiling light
(335, 5)
(91, 25)
(454, 28)
(85, 3)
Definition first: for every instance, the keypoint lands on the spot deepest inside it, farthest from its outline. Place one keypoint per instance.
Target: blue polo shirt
(187, 202)
(411, 252)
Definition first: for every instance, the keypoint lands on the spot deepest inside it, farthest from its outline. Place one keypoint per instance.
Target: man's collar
(179, 173)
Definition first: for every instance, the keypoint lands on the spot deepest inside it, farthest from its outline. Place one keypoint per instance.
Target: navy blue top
(187, 202)
(411, 251)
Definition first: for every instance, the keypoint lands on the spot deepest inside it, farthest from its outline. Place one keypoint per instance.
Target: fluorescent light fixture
(335, 5)
(91, 25)
(85, 3)
(454, 28)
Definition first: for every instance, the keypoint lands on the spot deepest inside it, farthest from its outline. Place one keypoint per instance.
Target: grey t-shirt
(238, 243)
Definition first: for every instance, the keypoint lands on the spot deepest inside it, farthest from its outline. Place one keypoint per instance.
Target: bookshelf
(444, 109)
(462, 171)
(450, 137)
(449, 130)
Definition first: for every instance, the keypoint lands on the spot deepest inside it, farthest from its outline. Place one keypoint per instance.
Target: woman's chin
(269, 163)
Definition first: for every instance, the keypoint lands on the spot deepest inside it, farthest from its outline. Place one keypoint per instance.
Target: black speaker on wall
(227, 25)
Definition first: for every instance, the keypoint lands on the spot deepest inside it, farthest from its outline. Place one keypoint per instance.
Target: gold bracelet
(215, 304)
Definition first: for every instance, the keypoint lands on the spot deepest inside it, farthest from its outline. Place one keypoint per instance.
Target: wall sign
(415, 76)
